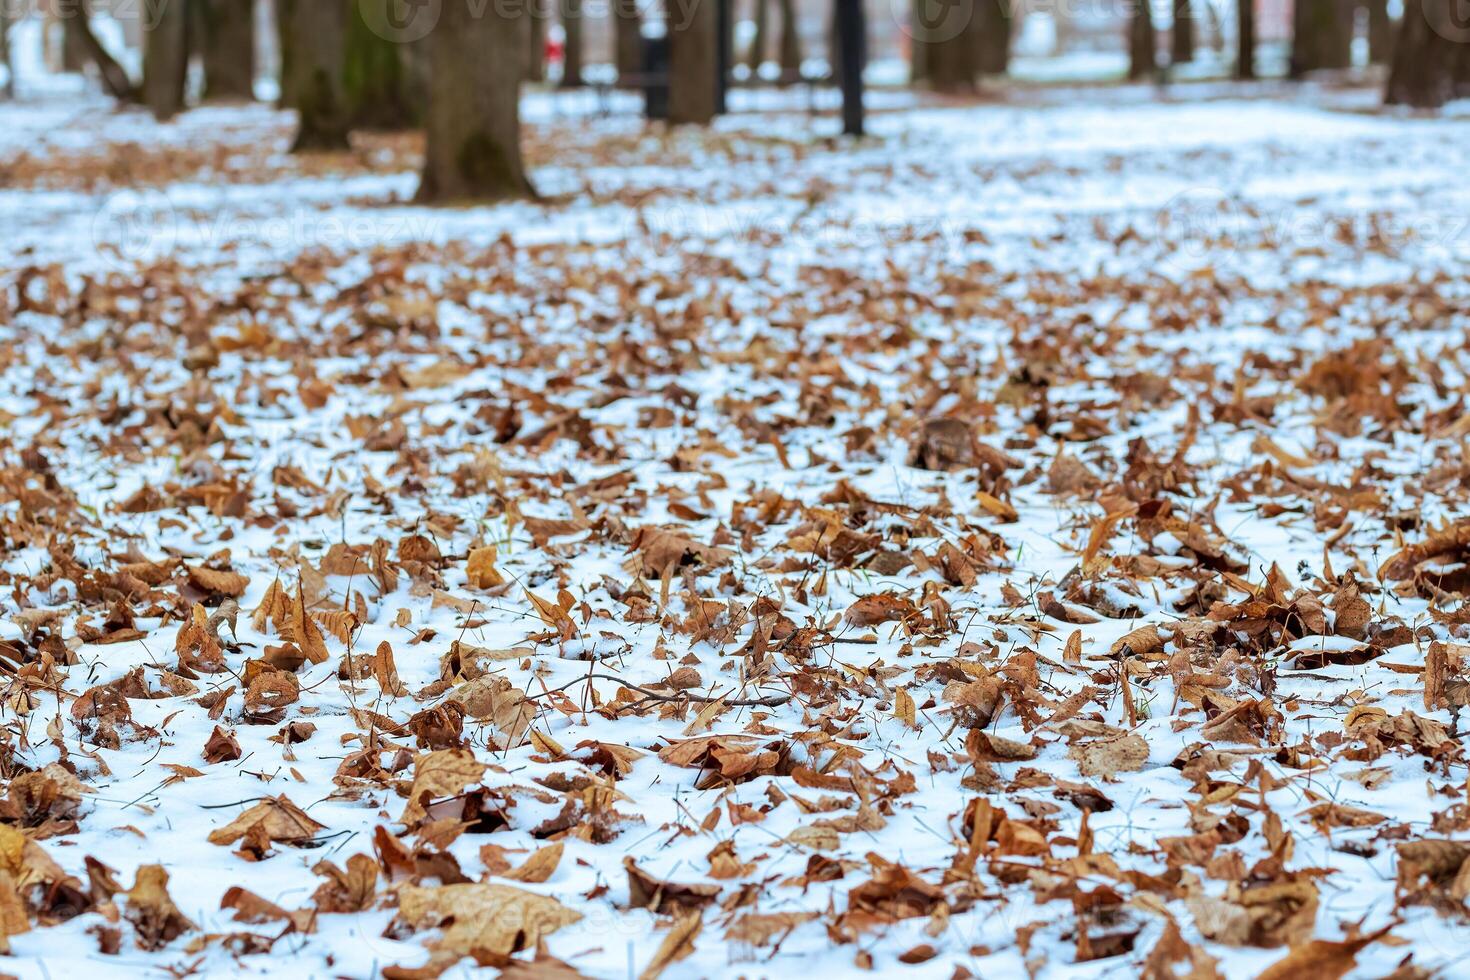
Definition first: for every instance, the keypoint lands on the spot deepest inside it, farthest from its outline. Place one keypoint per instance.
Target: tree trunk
(77, 37)
(228, 49)
(761, 42)
(1245, 39)
(535, 52)
(995, 36)
(314, 32)
(473, 150)
(378, 82)
(1428, 63)
(627, 38)
(1380, 33)
(571, 23)
(165, 59)
(1181, 37)
(947, 41)
(790, 53)
(5, 18)
(1142, 52)
(1321, 35)
(693, 48)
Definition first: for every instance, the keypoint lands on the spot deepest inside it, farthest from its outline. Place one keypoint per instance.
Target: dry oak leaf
(156, 920)
(1172, 950)
(480, 569)
(539, 866)
(1321, 959)
(658, 551)
(677, 945)
(1110, 757)
(483, 921)
(277, 819)
(437, 775)
(496, 700)
(871, 610)
(665, 897)
(25, 862)
(352, 890)
(213, 581)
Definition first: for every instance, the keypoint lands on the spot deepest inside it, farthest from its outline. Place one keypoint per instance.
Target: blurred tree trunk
(228, 49)
(789, 56)
(1245, 39)
(571, 24)
(378, 82)
(995, 23)
(693, 46)
(534, 53)
(761, 42)
(165, 58)
(1181, 37)
(5, 19)
(77, 37)
(314, 48)
(948, 40)
(1321, 35)
(1380, 33)
(627, 38)
(1430, 64)
(473, 150)
(1142, 45)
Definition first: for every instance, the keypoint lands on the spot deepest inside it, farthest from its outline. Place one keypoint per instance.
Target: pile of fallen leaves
(573, 607)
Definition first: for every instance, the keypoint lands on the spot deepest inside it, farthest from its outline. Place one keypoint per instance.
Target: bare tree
(228, 49)
(1245, 39)
(1142, 45)
(571, 25)
(1431, 59)
(79, 39)
(1321, 35)
(473, 150)
(313, 44)
(693, 52)
(1181, 36)
(165, 58)
(790, 52)
(381, 88)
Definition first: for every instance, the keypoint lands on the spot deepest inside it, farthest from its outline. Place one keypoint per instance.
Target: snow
(1198, 240)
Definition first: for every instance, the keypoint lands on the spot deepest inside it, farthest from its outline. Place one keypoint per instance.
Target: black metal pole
(851, 57)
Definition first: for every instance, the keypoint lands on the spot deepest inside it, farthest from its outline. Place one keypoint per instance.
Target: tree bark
(5, 18)
(571, 23)
(535, 51)
(473, 150)
(760, 43)
(1245, 39)
(1142, 48)
(790, 54)
(1321, 36)
(1380, 33)
(1181, 36)
(77, 36)
(627, 38)
(165, 58)
(314, 32)
(995, 36)
(1429, 65)
(693, 47)
(378, 81)
(228, 49)
(947, 42)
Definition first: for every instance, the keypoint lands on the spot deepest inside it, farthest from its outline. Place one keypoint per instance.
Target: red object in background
(553, 51)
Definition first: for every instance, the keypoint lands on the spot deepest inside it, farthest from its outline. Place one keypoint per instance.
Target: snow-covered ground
(964, 552)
